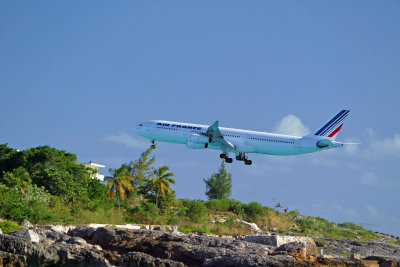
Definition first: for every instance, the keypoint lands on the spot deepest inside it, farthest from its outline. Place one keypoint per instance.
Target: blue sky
(80, 75)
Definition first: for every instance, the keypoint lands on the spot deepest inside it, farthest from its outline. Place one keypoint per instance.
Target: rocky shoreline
(111, 246)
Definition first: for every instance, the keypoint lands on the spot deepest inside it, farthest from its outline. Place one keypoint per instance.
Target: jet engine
(192, 145)
(199, 139)
(323, 143)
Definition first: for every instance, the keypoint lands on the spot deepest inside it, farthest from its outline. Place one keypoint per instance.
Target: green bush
(13, 205)
(9, 226)
(305, 223)
(221, 204)
(253, 209)
(196, 211)
(165, 203)
(350, 225)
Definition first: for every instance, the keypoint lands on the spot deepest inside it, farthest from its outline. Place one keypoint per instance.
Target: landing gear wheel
(228, 160)
(205, 145)
(248, 162)
(222, 156)
(238, 157)
(210, 140)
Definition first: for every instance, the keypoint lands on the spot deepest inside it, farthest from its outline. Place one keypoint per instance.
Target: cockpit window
(140, 124)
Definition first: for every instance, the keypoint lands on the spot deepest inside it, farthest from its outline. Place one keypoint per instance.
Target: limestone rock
(364, 248)
(9, 259)
(276, 241)
(31, 236)
(83, 231)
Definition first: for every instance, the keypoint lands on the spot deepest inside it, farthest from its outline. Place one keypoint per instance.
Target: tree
(160, 182)
(18, 178)
(141, 169)
(219, 185)
(119, 184)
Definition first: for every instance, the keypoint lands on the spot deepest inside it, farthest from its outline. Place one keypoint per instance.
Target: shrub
(12, 205)
(197, 211)
(350, 225)
(221, 204)
(9, 226)
(253, 209)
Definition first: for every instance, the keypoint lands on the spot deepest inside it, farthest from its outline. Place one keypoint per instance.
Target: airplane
(243, 142)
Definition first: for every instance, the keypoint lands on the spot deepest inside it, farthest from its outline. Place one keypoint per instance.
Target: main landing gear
(153, 144)
(226, 157)
(239, 157)
(243, 157)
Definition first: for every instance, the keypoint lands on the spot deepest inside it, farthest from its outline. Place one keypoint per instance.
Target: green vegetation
(46, 185)
(219, 185)
(8, 226)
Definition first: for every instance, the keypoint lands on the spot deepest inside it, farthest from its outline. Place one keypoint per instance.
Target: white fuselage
(244, 141)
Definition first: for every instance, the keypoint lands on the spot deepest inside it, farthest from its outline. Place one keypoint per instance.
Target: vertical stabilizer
(331, 128)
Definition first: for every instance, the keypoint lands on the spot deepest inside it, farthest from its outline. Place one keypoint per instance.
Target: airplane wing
(216, 137)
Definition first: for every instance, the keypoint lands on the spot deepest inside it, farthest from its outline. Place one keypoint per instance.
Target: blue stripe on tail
(330, 122)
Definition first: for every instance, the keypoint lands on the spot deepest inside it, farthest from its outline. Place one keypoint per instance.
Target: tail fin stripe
(330, 122)
(335, 131)
(335, 123)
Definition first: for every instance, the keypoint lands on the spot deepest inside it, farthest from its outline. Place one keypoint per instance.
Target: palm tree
(18, 178)
(160, 182)
(121, 182)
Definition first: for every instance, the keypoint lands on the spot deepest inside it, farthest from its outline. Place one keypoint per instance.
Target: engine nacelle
(323, 143)
(199, 139)
(192, 145)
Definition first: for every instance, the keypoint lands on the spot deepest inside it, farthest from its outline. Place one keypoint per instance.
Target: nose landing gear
(153, 144)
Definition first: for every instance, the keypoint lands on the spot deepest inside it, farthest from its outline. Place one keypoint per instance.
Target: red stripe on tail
(335, 131)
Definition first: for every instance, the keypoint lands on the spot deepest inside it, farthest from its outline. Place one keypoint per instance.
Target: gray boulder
(83, 231)
(31, 236)
(57, 254)
(25, 224)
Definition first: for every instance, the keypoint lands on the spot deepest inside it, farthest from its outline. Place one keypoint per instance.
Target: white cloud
(292, 125)
(369, 178)
(372, 148)
(125, 139)
(388, 146)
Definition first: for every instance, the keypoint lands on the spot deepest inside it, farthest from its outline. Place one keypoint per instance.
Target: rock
(9, 259)
(76, 241)
(252, 226)
(38, 254)
(339, 247)
(1, 232)
(25, 224)
(276, 241)
(105, 246)
(294, 249)
(82, 231)
(174, 229)
(385, 261)
(31, 236)
(159, 228)
(273, 229)
(140, 259)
